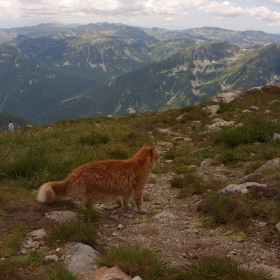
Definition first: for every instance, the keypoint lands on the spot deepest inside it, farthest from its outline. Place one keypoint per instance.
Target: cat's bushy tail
(48, 191)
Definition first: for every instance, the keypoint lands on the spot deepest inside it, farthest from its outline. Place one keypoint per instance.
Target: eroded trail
(174, 229)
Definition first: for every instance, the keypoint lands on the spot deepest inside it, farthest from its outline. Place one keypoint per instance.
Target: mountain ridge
(116, 69)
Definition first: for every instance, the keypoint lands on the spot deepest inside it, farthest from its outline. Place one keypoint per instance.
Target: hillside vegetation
(51, 72)
(33, 155)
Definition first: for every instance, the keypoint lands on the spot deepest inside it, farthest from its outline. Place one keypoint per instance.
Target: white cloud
(276, 2)
(264, 14)
(41, 8)
(152, 10)
(225, 9)
(169, 19)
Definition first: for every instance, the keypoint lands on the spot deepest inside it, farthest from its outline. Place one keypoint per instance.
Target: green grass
(88, 215)
(72, 232)
(189, 184)
(219, 269)
(59, 272)
(255, 129)
(33, 155)
(13, 241)
(10, 268)
(240, 209)
(134, 261)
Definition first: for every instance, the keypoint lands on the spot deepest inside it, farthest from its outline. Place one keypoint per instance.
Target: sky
(170, 14)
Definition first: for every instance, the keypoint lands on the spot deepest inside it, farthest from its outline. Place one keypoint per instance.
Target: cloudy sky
(172, 14)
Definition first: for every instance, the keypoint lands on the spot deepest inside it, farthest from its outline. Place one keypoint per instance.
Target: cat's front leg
(139, 202)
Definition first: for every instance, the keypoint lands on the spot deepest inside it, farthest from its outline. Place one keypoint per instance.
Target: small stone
(111, 207)
(262, 224)
(120, 227)
(115, 217)
(193, 256)
(278, 227)
(106, 226)
(50, 259)
(36, 245)
(38, 234)
(232, 252)
(24, 252)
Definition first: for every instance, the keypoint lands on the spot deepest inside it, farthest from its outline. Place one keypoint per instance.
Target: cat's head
(153, 152)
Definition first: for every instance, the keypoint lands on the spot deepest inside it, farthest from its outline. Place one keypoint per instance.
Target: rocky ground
(174, 228)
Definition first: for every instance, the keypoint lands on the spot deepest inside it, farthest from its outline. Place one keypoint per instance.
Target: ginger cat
(106, 180)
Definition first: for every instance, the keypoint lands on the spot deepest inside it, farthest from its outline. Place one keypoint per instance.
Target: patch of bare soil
(30, 214)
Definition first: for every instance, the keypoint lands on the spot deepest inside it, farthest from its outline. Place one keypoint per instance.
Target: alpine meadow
(188, 121)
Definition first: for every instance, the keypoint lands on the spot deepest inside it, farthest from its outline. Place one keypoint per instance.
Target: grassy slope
(33, 155)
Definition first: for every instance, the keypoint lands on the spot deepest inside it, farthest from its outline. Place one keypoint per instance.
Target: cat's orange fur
(106, 180)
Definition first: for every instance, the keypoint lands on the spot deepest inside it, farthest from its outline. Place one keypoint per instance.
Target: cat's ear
(154, 153)
(146, 144)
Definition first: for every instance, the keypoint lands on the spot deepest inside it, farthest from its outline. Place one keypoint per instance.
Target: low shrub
(73, 232)
(134, 261)
(255, 129)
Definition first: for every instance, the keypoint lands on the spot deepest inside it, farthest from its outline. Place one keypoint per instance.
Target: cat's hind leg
(125, 202)
(90, 200)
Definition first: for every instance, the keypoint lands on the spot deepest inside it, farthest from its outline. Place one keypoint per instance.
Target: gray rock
(212, 130)
(63, 216)
(242, 188)
(50, 259)
(254, 108)
(164, 131)
(271, 164)
(164, 146)
(213, 109)
(38, 234)
(80, 258)
(277, 226)
(179, 139)
(226, 97)
(220, 123)
(111, 207)
(180, 117)
(273, 102)
(165, 214)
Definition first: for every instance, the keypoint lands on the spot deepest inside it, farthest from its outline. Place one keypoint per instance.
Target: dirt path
(173, 228)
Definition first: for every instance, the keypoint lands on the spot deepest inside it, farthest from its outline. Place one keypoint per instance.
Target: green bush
(255, 129)
(225, 208)
(60, 272)
(218, 268)
(189, 184)
(134, 261)
(73, 232)
(93, 137)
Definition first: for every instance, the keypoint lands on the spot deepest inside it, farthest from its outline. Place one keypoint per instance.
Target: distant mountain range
(51, 72)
